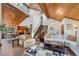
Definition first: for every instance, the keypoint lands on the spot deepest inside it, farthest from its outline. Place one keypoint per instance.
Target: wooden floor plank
(7, 50)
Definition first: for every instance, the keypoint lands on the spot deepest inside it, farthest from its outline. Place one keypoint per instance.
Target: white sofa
(74, 46)
(55, 38)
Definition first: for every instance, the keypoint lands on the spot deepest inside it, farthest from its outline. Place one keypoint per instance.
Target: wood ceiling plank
(74, 14)
(11, 15)
(59, 11)
(53, 8)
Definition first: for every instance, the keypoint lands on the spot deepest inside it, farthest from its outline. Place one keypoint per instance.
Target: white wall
(26, 22)
(73, 22)
(56, 25)
(36, 18)
(44, 18)
(0, 22)
(0, 15)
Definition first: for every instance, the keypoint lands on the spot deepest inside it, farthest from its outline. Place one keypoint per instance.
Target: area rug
(40, 51)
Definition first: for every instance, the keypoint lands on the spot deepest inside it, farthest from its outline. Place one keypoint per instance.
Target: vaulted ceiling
(11, 15)
(59, 11)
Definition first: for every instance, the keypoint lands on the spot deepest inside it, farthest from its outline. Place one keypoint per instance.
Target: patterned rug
(38, 50)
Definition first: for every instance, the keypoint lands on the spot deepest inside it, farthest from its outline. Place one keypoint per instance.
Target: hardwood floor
(7, 50)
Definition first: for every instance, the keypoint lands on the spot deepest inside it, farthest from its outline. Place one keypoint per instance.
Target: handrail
(36, 28)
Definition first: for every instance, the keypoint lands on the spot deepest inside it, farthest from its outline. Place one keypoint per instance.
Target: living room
(30, 29)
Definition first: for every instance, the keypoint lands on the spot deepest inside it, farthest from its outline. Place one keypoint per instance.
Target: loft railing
(21, 7)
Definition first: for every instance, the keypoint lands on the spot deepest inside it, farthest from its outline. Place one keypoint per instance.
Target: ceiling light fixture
(60, 11)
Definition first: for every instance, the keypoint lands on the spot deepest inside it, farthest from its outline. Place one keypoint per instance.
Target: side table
(15, 39)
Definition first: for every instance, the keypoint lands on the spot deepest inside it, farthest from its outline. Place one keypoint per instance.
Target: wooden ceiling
(11, 15)
(59, 11)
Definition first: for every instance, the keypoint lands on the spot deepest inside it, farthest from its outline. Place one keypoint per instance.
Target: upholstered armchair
(26, 41)
(30, 42)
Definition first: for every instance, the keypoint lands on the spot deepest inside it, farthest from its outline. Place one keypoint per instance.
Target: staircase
(38, 30)
(26, 22)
